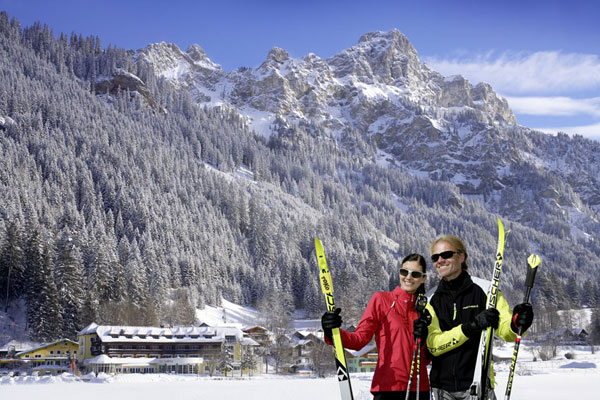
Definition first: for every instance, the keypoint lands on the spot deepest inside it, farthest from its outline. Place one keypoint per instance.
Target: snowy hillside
(230, 313)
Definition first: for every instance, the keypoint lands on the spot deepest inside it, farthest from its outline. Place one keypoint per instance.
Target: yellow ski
(479, 387)
(340, 359)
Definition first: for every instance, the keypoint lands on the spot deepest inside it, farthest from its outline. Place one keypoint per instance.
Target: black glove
(522, 317)
(420, 329)
(420, 325)
(330, 320)
(483, 320)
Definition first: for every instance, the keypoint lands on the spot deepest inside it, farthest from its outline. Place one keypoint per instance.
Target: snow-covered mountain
(440, 127)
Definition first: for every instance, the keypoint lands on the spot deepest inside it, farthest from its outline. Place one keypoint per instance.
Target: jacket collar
(401, 295)
(457, 285)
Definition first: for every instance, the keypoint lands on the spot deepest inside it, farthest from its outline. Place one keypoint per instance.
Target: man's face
(449, 268)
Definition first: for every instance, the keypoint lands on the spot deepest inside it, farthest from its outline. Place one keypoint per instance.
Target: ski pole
(418, 371)
(416, 358)
(412, 368)
(532, 262)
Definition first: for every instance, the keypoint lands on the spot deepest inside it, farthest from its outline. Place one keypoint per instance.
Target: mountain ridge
(435, 126)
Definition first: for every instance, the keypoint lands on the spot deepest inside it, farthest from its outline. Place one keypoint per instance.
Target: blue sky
(543, 56)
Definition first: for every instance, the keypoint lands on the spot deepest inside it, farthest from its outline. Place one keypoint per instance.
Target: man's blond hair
(454, 242)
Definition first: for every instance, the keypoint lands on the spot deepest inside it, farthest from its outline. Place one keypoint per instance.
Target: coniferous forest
(123, 208)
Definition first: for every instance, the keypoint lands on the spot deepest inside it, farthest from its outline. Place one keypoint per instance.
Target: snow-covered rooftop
(151, 334)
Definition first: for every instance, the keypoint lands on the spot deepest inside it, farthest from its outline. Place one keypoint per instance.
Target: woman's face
(409, 283)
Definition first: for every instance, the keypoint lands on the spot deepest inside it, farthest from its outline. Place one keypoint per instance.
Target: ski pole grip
(420, 304)
(533, 261)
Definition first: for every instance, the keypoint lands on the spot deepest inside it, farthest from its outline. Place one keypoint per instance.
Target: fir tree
(44, 317)
(68, 275)
(11, 266)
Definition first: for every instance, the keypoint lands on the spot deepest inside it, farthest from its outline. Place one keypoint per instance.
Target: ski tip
(534, 260)
(318, 243)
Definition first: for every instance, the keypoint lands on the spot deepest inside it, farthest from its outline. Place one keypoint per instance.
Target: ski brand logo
(496, 280)
(330, 303)
(342, 374)
(445, 346)
(325, 282)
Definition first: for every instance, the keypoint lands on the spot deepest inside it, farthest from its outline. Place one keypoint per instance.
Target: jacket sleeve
(504, 330)
(440, 342)
(369, 323)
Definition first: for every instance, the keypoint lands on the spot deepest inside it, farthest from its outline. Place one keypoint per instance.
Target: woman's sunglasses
(444, 254)
(414, 274)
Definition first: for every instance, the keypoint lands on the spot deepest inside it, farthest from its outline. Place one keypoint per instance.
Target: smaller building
(576, 336)
(363, 360)
(259, 334)
(51, 358)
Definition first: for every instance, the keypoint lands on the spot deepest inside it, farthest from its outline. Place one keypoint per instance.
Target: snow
(551, 380)
(229, 313)
(258, 121)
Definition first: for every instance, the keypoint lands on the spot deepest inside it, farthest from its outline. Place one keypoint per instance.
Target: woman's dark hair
(422, 262)
(416, 257)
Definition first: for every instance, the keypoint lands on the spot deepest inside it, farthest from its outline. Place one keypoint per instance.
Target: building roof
(46, 345)
(18, 345)
(365, 350)
(150, 334)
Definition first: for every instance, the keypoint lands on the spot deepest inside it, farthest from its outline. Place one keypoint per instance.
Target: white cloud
(589, 131)
(557, 105)
(543, 72)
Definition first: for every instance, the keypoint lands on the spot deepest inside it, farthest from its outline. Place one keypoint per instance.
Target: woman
(392, 318)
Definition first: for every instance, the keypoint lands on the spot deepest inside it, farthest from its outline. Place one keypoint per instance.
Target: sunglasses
(414, 274)
(444, 254)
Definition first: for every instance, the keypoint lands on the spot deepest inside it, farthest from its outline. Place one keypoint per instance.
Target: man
(459, 315)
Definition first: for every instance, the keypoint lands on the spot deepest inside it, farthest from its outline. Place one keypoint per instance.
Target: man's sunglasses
(444, 254)
(414, 274)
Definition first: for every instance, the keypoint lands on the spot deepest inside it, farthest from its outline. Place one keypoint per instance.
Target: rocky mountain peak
(385, 57)
(277, 55)
(198, 56)
(393, 39)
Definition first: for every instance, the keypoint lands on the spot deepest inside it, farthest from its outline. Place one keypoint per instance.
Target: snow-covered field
(560, 378)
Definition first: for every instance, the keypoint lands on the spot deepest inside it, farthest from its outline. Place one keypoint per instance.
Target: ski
(479, 387)
(340, 359)
(533, 261)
